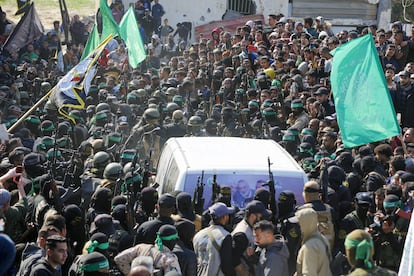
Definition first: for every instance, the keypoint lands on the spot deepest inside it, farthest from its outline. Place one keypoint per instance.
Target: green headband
(131, 96)
(127, 155)
(363, 250)
(160, 238)
(34, 185)
(104, 264)
(392, 205)
(52, 153)
(133, 179)
(310, 151)
(95, 244)
(116, 139)
(49, 128)
(296, 105)
(33, 120)
(288, 138)
(102, 115)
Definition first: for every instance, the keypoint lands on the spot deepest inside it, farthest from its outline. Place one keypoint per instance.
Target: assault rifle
(198, 200)
(324, 181)
(271, 184)
(215, 188)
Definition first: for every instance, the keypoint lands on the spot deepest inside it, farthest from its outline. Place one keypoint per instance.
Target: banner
(71, 91)
(27, 30)
(131, 35)
(109, 25)
(92, 43)
(363, 104)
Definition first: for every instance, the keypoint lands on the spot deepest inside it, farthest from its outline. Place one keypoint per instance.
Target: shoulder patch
(293, 233)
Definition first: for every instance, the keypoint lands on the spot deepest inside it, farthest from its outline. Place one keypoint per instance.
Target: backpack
(325, 224)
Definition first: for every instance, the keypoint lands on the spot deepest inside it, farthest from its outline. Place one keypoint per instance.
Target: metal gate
(240, 6)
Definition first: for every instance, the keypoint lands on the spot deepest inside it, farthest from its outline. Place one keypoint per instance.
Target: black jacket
(187, 259)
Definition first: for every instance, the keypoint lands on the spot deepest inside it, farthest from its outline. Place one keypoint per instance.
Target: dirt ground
(49, 13)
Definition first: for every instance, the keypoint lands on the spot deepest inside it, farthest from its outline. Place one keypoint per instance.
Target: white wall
(200, 12)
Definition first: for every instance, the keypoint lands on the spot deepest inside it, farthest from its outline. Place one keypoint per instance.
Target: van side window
(171, 177)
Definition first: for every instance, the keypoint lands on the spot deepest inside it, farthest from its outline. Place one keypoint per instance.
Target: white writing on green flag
(363, 104)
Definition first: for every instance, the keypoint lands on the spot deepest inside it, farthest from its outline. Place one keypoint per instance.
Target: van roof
(221, 153)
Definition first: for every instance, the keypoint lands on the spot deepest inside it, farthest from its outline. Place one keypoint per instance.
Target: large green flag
(109, 25)
(363, 104)
(131, 35)
(92, 43)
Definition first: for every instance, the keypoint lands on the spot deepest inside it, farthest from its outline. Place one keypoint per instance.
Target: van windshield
(243, 186)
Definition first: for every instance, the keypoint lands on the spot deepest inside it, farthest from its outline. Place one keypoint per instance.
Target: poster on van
(243, 186)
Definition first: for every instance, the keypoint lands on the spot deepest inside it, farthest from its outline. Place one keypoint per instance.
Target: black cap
(322, 91)
(33, 159)
(262, 195)
(104, 223)
(93, 262)
(166, 201)
(102, 195)
(167, 230)
(407, 177)
(287, 197)
(119, 199)
(255, 206)
(363, 198)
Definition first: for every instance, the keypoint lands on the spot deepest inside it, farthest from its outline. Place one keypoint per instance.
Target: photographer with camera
(386, 246)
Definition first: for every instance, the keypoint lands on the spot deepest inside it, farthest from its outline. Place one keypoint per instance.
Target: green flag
(131, 35)
(92, 43)
(109, 25)
(363, 104)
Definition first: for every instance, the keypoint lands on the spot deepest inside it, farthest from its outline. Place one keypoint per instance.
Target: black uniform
(147, 232)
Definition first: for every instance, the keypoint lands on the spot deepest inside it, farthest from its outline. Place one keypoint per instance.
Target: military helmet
(47, 125)
(142, 94)
(171, 107)
(133, 84)
(132, 97)
(171, 91)
(48, 142)
(91, 109)
(103, 107)
(195, 121)
(45, 86)
(151, 114)
(24, 95)
(177, 115)
(113, 171)
(51, 153)
(50, 106)
(127, 167)
(253, 103)
(97, 144)
(101, 159)
(269, 112)
(178, 100)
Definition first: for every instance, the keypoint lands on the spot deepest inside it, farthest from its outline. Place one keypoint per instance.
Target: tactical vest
(325, 224)
(114, 241)
(207, 245)
(88, 187)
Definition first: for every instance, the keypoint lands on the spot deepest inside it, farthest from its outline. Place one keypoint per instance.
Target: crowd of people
(77, 196)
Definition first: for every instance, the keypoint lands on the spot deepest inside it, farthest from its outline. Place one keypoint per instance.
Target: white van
(240, 163)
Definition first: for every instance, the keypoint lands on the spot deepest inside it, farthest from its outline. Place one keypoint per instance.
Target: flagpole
(33, 108)
(30, 111)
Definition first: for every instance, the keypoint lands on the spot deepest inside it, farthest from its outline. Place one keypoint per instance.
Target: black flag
(27, 30)
(22, 6)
